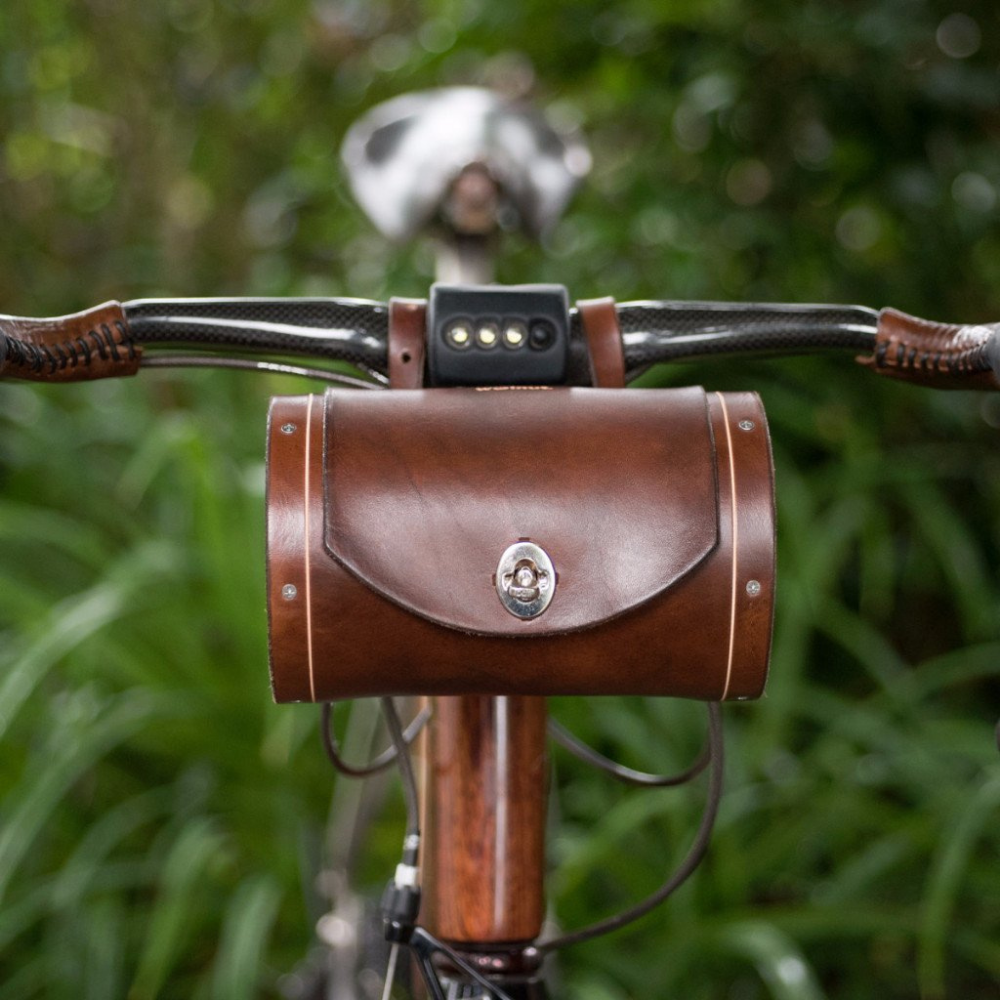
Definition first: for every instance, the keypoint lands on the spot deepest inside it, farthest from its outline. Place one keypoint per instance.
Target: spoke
(390, 972)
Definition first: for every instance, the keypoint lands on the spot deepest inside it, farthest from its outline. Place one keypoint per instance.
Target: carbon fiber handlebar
(115, 340)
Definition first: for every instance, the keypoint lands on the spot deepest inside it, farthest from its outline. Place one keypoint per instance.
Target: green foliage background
(161, 822)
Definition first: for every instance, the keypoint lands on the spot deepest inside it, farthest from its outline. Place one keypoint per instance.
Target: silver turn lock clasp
(525, 580)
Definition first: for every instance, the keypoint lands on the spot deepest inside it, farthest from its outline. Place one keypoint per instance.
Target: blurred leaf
(181, 883)
(251, 913)
(769, 151)
(780, 963)
(68, 756)
(73, 622)
(947, 873)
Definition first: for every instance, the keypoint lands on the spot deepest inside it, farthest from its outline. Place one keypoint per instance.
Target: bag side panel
(746, 504)
(293, 447)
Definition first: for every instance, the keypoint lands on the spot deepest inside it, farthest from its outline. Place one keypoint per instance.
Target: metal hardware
(753, 587)
(288, 428)
(289, 592)
(525, 580)
(406, 875)
(747, 425)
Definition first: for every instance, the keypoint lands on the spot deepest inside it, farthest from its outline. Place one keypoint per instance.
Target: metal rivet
(289, 592)
(288, 428)
(753, 587)
(747, 425)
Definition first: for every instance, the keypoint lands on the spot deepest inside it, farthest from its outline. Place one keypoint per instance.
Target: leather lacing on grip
(72, 352)
(903, 358)
(938, 355)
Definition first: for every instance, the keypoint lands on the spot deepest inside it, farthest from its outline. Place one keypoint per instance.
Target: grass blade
(198, 845)
(944, 882)
(69, 755)
(777, 959)
(249, 918)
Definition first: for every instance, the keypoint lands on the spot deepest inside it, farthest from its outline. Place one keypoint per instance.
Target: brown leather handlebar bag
(519, 541)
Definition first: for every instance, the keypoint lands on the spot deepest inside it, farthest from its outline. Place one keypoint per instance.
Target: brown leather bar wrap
(407, 342)
(938, 355)
(86, 345)
(388, 513)
(604, 342)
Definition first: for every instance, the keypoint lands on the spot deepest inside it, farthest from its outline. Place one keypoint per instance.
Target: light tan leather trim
(307, 500)
(735, 546)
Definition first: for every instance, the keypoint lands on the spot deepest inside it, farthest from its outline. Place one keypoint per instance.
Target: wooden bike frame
(484, 810)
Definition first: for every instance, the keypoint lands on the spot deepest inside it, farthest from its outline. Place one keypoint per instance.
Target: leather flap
(426, 489)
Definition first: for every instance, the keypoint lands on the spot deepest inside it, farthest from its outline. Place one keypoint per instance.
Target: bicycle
(106, 334)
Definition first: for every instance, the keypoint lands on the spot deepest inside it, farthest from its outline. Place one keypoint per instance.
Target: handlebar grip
(937, 355)
(96, 343)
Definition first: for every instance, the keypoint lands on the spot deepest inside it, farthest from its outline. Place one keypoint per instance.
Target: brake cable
(687, 866)
(401, 902)
(627, 775)
(376, 764)
(170, 360)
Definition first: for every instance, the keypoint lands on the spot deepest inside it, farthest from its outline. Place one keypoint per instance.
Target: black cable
(405, 772)
(379, 763)
(426, 966)
(687, 866)
(620, 772)
(343, 329)
(424, 944)
(356, 331)
(401, 899)
(170, 360)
